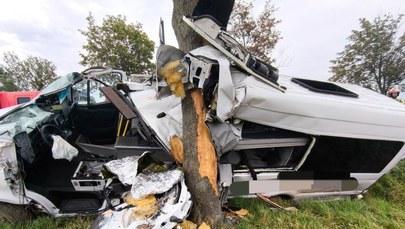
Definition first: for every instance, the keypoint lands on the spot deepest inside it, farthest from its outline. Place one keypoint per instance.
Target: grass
(345, 213)
(382, 207)
(46, 222)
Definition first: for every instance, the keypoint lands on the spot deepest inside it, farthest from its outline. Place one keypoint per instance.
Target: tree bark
(200, 162)
(186, 37)
(199, 156)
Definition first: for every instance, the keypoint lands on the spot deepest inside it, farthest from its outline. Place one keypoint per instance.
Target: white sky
(313, 30)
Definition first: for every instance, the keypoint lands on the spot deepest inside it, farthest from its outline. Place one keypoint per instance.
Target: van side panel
(347, 155)
(8, 164)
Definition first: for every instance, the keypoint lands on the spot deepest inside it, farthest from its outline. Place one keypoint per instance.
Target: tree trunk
(200, 161)
(186, 37)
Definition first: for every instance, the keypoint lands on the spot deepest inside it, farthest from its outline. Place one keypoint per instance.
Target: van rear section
(11, 98)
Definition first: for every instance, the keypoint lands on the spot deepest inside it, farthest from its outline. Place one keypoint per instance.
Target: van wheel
(11, 213)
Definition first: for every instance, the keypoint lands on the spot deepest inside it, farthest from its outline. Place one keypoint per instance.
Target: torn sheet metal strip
(225, 136)
(155, 183)
(202, 31)
(125, 168)
(226, 90)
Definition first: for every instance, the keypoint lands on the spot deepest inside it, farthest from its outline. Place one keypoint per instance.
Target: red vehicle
(11, 98)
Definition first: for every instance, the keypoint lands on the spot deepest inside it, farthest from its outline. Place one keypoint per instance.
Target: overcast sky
(313, 31)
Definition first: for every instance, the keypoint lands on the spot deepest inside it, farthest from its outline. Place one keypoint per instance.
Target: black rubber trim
(324, 87)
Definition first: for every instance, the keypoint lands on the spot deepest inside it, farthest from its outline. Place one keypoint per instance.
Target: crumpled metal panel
(230, 95)
(226, 90)
(150, 106)
(225, 136)
(155, 183)
(143, 184)
(125, 168)
(175, 203)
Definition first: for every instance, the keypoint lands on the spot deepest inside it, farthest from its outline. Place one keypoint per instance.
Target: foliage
(32, 73)
(6, 82)
(258, 35)
(374, 58)
(117, 44)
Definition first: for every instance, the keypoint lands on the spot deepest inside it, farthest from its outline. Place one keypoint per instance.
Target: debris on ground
(274, 205)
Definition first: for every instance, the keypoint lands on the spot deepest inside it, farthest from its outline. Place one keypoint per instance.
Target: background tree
(374, 58)
(117, 44)
(257, 34)
(31, 74)
(6, 82)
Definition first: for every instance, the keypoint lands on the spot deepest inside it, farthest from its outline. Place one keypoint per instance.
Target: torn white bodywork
(370, 116)
(174, 206)
(11, 184)
(367, 116)
(226, 90)
(150, 106)
(298, 109)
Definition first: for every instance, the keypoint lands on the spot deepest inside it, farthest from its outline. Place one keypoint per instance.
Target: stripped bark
(200, 162)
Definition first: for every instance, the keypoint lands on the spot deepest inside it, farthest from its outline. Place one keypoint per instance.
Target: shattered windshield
(60, 83)
(25, 119)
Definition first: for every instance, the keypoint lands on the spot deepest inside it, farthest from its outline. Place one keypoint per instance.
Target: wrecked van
(65, 154)
(274, 135)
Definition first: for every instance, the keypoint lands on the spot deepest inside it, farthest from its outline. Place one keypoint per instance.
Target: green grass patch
(391, 186)
(344, 213)
(79, 222)
(382, 207)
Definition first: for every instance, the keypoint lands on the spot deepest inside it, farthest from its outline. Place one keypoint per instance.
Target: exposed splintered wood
(200, 161)
(205, 149)
(172, 76)
(176, 149)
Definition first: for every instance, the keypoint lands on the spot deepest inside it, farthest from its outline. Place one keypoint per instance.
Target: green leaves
(117, 44)
(32, 73)
(6, 82)
(257, 35)
(374, 58)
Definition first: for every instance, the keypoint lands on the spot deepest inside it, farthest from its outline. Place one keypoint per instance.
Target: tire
(11, 213)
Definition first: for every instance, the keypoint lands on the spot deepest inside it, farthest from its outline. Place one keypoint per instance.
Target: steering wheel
(47, 131)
